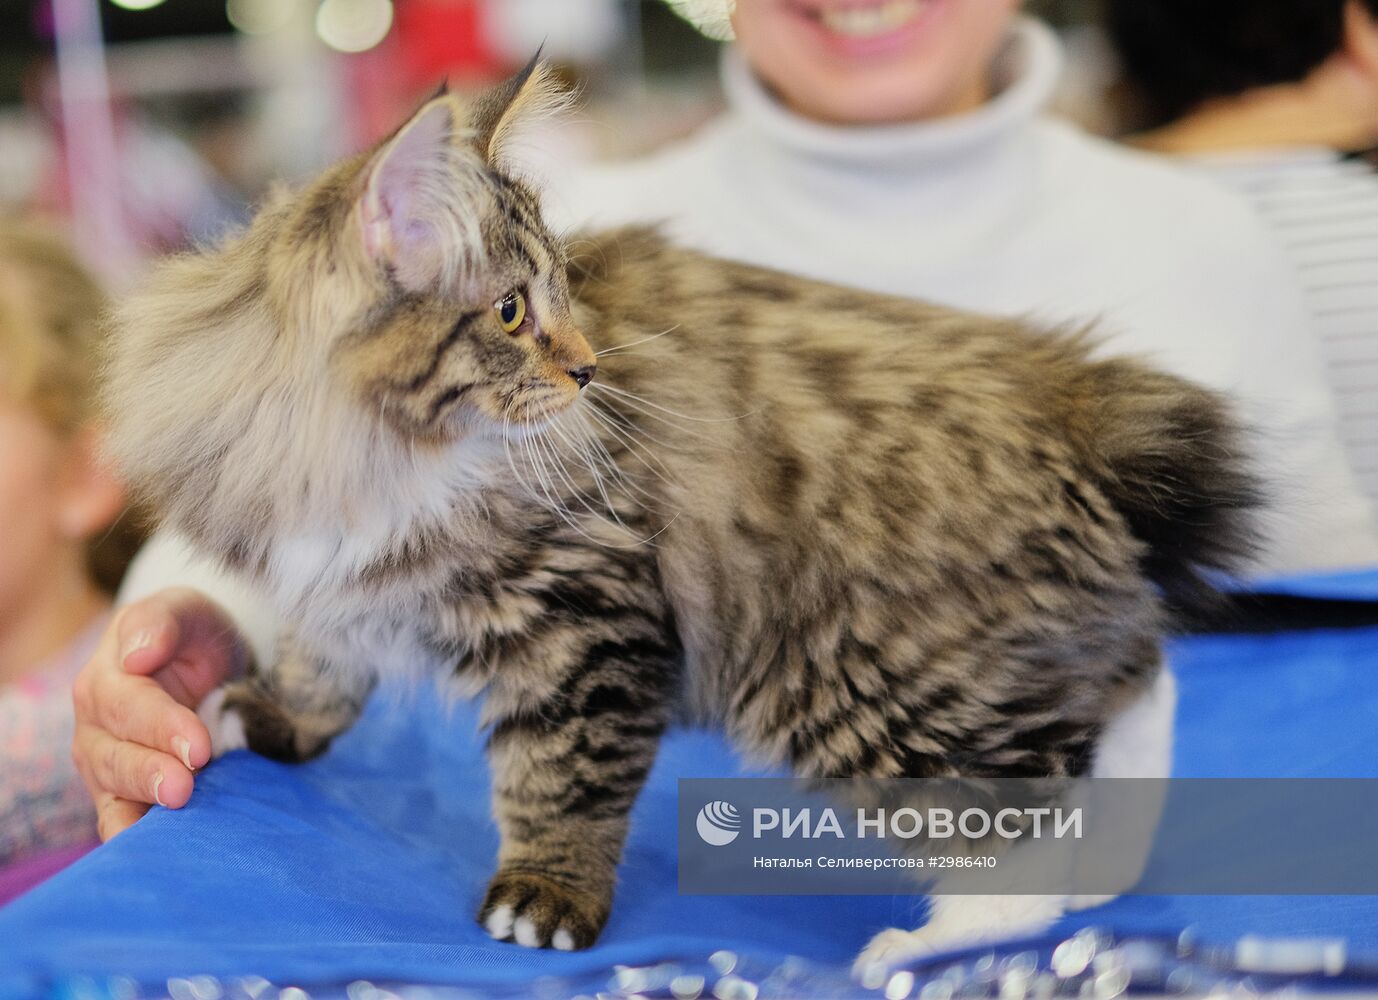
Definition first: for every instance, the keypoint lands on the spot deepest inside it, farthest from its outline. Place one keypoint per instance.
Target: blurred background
(148, 125)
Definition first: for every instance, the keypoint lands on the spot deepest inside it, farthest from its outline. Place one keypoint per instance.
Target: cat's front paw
(538, 912)
(241, 715)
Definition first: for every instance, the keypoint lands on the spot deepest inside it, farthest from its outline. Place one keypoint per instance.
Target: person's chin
(872, 99)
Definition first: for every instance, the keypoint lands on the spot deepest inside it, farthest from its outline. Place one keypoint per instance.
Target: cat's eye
(511, 310)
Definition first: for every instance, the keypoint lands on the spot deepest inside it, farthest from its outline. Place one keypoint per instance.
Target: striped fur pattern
(864, 535)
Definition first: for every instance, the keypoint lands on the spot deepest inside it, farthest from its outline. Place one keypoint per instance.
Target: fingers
(115, 815)
(184, 628)
(135, 772)
(147, 634)
(156, 663)
(138, 739)
(107, 765)
(139, 710)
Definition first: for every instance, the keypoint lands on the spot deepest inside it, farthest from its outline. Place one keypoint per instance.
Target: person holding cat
(56, 497)
(898, 147)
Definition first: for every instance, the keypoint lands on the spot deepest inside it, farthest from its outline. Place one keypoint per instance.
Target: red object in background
(445, 38)
(431, 41)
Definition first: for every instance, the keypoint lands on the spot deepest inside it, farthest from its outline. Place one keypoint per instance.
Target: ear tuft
(524, 101)
(411, 209)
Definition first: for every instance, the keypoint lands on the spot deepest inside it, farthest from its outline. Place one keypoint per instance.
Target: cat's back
(719, 340)
(800, 430)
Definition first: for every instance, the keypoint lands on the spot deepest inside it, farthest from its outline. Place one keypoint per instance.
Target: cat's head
(468, 321)
(477, 326)
(410, 296)
(419, 276)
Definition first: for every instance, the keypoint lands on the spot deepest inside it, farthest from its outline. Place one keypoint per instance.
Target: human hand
(138, 739)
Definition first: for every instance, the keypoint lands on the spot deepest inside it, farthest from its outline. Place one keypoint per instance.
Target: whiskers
(598, 513)
(636, 343)
(569, 462)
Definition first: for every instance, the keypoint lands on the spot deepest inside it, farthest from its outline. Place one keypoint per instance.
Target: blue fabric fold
(371, 862)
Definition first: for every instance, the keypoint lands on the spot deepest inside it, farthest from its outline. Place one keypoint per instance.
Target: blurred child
(57, 506)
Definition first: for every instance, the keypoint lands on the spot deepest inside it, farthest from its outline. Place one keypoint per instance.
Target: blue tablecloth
(371, 861)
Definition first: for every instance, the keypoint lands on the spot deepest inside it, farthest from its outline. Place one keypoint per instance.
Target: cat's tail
(1173, 460)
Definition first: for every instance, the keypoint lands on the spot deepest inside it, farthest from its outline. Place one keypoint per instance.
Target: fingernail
(181, 746)
(158, 783)
(141, 639)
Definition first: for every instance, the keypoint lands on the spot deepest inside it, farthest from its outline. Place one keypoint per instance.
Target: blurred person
(57, 505)
(896, 146)
(1279, 99)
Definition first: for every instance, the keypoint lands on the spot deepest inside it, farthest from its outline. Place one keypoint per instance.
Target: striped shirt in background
(1324, 207)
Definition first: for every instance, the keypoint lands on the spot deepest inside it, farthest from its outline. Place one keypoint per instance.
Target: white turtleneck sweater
(1000, 210)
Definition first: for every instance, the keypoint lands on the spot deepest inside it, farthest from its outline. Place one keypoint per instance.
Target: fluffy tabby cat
(867, 536)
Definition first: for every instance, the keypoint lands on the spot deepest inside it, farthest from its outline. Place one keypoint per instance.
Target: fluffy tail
(1172, 460)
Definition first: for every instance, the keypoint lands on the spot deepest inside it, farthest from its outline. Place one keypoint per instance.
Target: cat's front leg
(289, 711)
(570, 749)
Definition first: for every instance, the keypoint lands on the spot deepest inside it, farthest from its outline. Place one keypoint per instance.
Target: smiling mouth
(867, 21)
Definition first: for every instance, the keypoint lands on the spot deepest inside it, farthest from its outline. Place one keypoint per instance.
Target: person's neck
(47, 618)
(1330, 109)
(970, 97)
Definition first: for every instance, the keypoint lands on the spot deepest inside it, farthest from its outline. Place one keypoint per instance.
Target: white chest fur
(316, 572)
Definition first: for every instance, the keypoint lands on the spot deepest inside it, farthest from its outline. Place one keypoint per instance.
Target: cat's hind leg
(1137, 743)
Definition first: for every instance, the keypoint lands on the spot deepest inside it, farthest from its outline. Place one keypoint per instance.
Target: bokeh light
(353, 25)
(137, 4)
(259, 17)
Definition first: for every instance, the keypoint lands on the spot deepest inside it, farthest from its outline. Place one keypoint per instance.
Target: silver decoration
(899, 987)
(687, 987)
(732, 987)
(723, 962)
(1091, 964)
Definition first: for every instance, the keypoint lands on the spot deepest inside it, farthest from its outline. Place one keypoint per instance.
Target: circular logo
(719, 823)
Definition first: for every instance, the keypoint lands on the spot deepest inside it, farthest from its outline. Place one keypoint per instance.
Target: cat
(866, 536)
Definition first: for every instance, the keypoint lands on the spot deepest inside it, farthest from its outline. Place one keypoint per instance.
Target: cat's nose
(583, 375)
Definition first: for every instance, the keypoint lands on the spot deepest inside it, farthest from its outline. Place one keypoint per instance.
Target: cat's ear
(410, 194)
(501, 116)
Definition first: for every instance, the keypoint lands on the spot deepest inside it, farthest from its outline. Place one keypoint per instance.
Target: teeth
(870, 22)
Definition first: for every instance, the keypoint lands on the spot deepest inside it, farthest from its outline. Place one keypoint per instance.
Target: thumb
(184, 634)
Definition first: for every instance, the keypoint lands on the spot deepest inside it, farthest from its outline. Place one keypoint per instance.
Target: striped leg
(569, 759)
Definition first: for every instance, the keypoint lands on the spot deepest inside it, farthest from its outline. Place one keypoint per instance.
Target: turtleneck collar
(1025, 74)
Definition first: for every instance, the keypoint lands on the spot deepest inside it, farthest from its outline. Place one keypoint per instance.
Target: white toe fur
(226, 727)
(963, 922)
(563, 940)
(499, 923)
(524, 933)
(888, 948)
